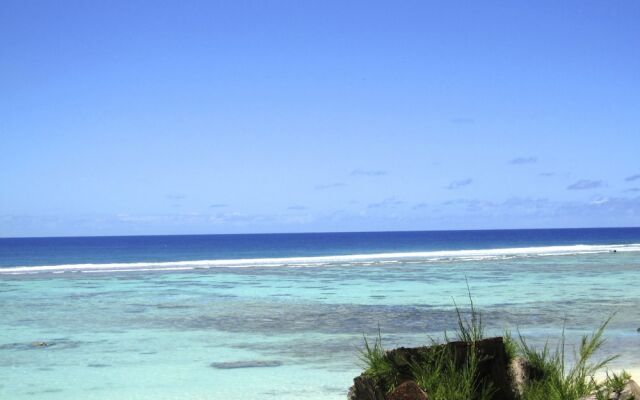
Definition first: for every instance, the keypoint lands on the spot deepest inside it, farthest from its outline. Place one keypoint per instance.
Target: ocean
(282, 316)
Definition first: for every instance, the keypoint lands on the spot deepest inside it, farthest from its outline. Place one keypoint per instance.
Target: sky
(159, 117)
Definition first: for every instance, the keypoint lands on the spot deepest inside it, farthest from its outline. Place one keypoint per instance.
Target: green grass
(377, 365)
(439, 376)
(559, 381)
(510, 345)
(617, 382)
(470, 329)
(443, 380)
(614, 384)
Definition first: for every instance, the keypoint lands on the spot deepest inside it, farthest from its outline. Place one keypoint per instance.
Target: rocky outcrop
(365, 389)
(493, 368)
(507, 378)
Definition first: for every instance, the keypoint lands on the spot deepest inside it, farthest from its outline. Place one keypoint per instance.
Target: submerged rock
(98, 365)
(245, 364)
(58, 344)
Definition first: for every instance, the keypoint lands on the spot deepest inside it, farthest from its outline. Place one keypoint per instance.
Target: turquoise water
(290, 325)
(137, 333)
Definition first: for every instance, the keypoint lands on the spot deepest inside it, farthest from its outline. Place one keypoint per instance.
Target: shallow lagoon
(154, 335)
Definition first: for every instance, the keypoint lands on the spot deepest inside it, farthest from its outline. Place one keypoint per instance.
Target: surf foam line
(315, 261)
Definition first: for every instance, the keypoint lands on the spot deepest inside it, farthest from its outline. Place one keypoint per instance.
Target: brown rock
(364, 389)
(493, 365)
(407, 391)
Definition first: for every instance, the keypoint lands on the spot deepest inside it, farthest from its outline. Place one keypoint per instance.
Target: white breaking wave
(316, 261)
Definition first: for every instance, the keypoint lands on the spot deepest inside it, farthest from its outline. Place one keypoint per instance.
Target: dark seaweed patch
(246, 364)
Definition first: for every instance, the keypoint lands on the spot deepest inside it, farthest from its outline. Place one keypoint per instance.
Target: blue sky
(141, 117)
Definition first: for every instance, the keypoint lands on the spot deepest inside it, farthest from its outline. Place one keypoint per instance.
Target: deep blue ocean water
(132, 249)
(162, 317)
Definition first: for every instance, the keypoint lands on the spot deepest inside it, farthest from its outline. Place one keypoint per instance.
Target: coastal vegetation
(559, 381)
(437, 373)
(474, 367)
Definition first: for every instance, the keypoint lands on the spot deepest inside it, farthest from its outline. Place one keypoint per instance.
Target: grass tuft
(444, 380)
(613, 386)
(510, 345)
(560, 382)
(377, 365)
(470, 329)
(444, 376)
(439, 375)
